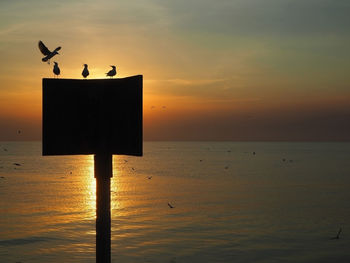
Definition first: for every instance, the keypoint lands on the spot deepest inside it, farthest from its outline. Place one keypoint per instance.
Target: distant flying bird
(337, 237)
(170, 205)
(150, 177)
(112, 72)
(85, 72)
(47, 53)
(56, 69)
(17, 164)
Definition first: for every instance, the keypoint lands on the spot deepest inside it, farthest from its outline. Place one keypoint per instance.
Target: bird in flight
(337, 237)
(112, 72)
(170, 206)
(85, 72)
(56, 69)
(47, 53)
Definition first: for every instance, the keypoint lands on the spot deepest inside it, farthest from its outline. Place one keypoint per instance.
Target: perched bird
(85, 72)
(56, 69)
(47, 53)
(112, 72)
(170, 205)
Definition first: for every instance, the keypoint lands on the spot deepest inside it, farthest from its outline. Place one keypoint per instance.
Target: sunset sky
(213, 70)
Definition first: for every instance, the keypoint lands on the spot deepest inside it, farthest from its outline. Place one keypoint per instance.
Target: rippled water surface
(281, 204)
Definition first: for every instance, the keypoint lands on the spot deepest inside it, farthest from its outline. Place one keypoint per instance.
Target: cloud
(256, 17)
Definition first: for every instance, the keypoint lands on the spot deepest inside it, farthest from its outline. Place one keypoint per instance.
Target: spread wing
(57, 49)
(44, 49)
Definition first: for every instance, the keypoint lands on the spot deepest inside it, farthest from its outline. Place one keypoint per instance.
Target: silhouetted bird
(170, 205)
(85, 72)
(56, 69)
(47, 53)
(17, 164)
(112, 72)
(337, 237)
(150, 177)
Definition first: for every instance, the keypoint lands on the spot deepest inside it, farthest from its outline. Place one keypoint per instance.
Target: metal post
(103, 174)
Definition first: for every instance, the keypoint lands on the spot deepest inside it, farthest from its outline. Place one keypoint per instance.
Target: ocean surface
(282, 204)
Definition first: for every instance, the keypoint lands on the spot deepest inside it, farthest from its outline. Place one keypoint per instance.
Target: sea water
(233, 202)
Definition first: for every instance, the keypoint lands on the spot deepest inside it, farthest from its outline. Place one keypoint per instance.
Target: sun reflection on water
(90, 187)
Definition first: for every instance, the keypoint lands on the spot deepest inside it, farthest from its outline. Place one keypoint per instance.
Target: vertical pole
(103, 174)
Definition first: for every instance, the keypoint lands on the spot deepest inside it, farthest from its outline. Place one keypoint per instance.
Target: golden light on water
(124, 181)
(90, 187)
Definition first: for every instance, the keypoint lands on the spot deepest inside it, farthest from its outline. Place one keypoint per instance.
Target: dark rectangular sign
(92, 116)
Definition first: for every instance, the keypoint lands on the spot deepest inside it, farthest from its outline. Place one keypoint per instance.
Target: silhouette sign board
(92, 116)
(101, 117)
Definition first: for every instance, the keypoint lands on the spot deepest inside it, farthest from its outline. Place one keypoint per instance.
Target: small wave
(24, 241)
